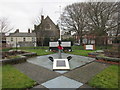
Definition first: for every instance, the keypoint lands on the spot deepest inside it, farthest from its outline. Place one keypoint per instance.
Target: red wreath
(60, 47)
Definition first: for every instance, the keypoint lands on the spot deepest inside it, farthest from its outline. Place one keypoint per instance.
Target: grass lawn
(0, 78)
(12, 57)
(5, 50)
(108, 78)
(12, 78)
(79, 50)
(76, 50)
(39, 50)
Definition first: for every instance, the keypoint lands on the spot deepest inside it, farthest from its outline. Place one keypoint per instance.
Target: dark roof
(2, 34)
(22, 35)
(45, 20)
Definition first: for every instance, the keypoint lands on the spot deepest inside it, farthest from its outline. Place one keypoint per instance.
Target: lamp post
(16, 44)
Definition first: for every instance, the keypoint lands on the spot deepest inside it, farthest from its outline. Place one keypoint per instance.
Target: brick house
(46, 31)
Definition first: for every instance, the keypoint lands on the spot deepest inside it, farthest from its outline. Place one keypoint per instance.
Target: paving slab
(84, 86)
(62, 82)
(75, 62)
(40, 87)
(85, 73)
(36, 73)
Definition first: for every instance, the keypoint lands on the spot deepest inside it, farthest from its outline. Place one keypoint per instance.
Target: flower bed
(22, 58)
(28, 55)
(108, 58)
(110, 62)
(105, 59)
(92, 54)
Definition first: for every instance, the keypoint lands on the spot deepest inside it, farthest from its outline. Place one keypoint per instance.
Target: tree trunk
(42, 42)
(81, 40)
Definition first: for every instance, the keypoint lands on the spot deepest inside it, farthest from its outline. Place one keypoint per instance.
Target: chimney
(17, 31)
(42, 18)
(35, 26)
(28, 30)
(33, 31)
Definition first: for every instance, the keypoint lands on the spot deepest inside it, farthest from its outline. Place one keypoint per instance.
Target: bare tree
(117, 39)
(74, 19)
(4, 25)
(95, 17)
(102, 17)
(37, 20)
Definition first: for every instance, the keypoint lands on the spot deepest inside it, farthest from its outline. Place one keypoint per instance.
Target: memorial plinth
(61, 64)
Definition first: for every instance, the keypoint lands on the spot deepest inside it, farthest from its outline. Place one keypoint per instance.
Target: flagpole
(60, 23)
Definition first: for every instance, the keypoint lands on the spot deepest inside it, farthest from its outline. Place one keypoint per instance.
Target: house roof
(2, 34)
(22, 35)
(45, 20)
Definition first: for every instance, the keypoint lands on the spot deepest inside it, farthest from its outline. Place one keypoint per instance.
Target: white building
(20, 39)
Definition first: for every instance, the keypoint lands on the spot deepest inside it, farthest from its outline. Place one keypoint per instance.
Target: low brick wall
(23, 58)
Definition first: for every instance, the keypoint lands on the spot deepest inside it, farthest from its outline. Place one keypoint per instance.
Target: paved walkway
(36, 73)
(75, 62)
(85, 73)
(40, 74)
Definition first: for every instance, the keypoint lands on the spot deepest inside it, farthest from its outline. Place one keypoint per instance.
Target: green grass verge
(108, 78)
(5, 50)
(77, 50)
(40, 51)
(81, 52)
(12, 57)
(0, 77)
(12, 78)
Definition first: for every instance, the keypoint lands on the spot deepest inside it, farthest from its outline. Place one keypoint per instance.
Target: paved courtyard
(75, 62)
(82, 70)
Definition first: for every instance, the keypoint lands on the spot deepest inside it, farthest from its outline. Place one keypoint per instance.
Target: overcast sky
(22, 13)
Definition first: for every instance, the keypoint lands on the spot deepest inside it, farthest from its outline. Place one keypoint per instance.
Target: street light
(16, 44)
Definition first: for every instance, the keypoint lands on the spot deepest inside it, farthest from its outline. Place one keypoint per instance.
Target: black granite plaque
(60, 63)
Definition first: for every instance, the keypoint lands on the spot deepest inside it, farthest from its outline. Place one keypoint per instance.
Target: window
(33, 39)
(48, 26)
(11, 39)
(51, 38)
(24, 39)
